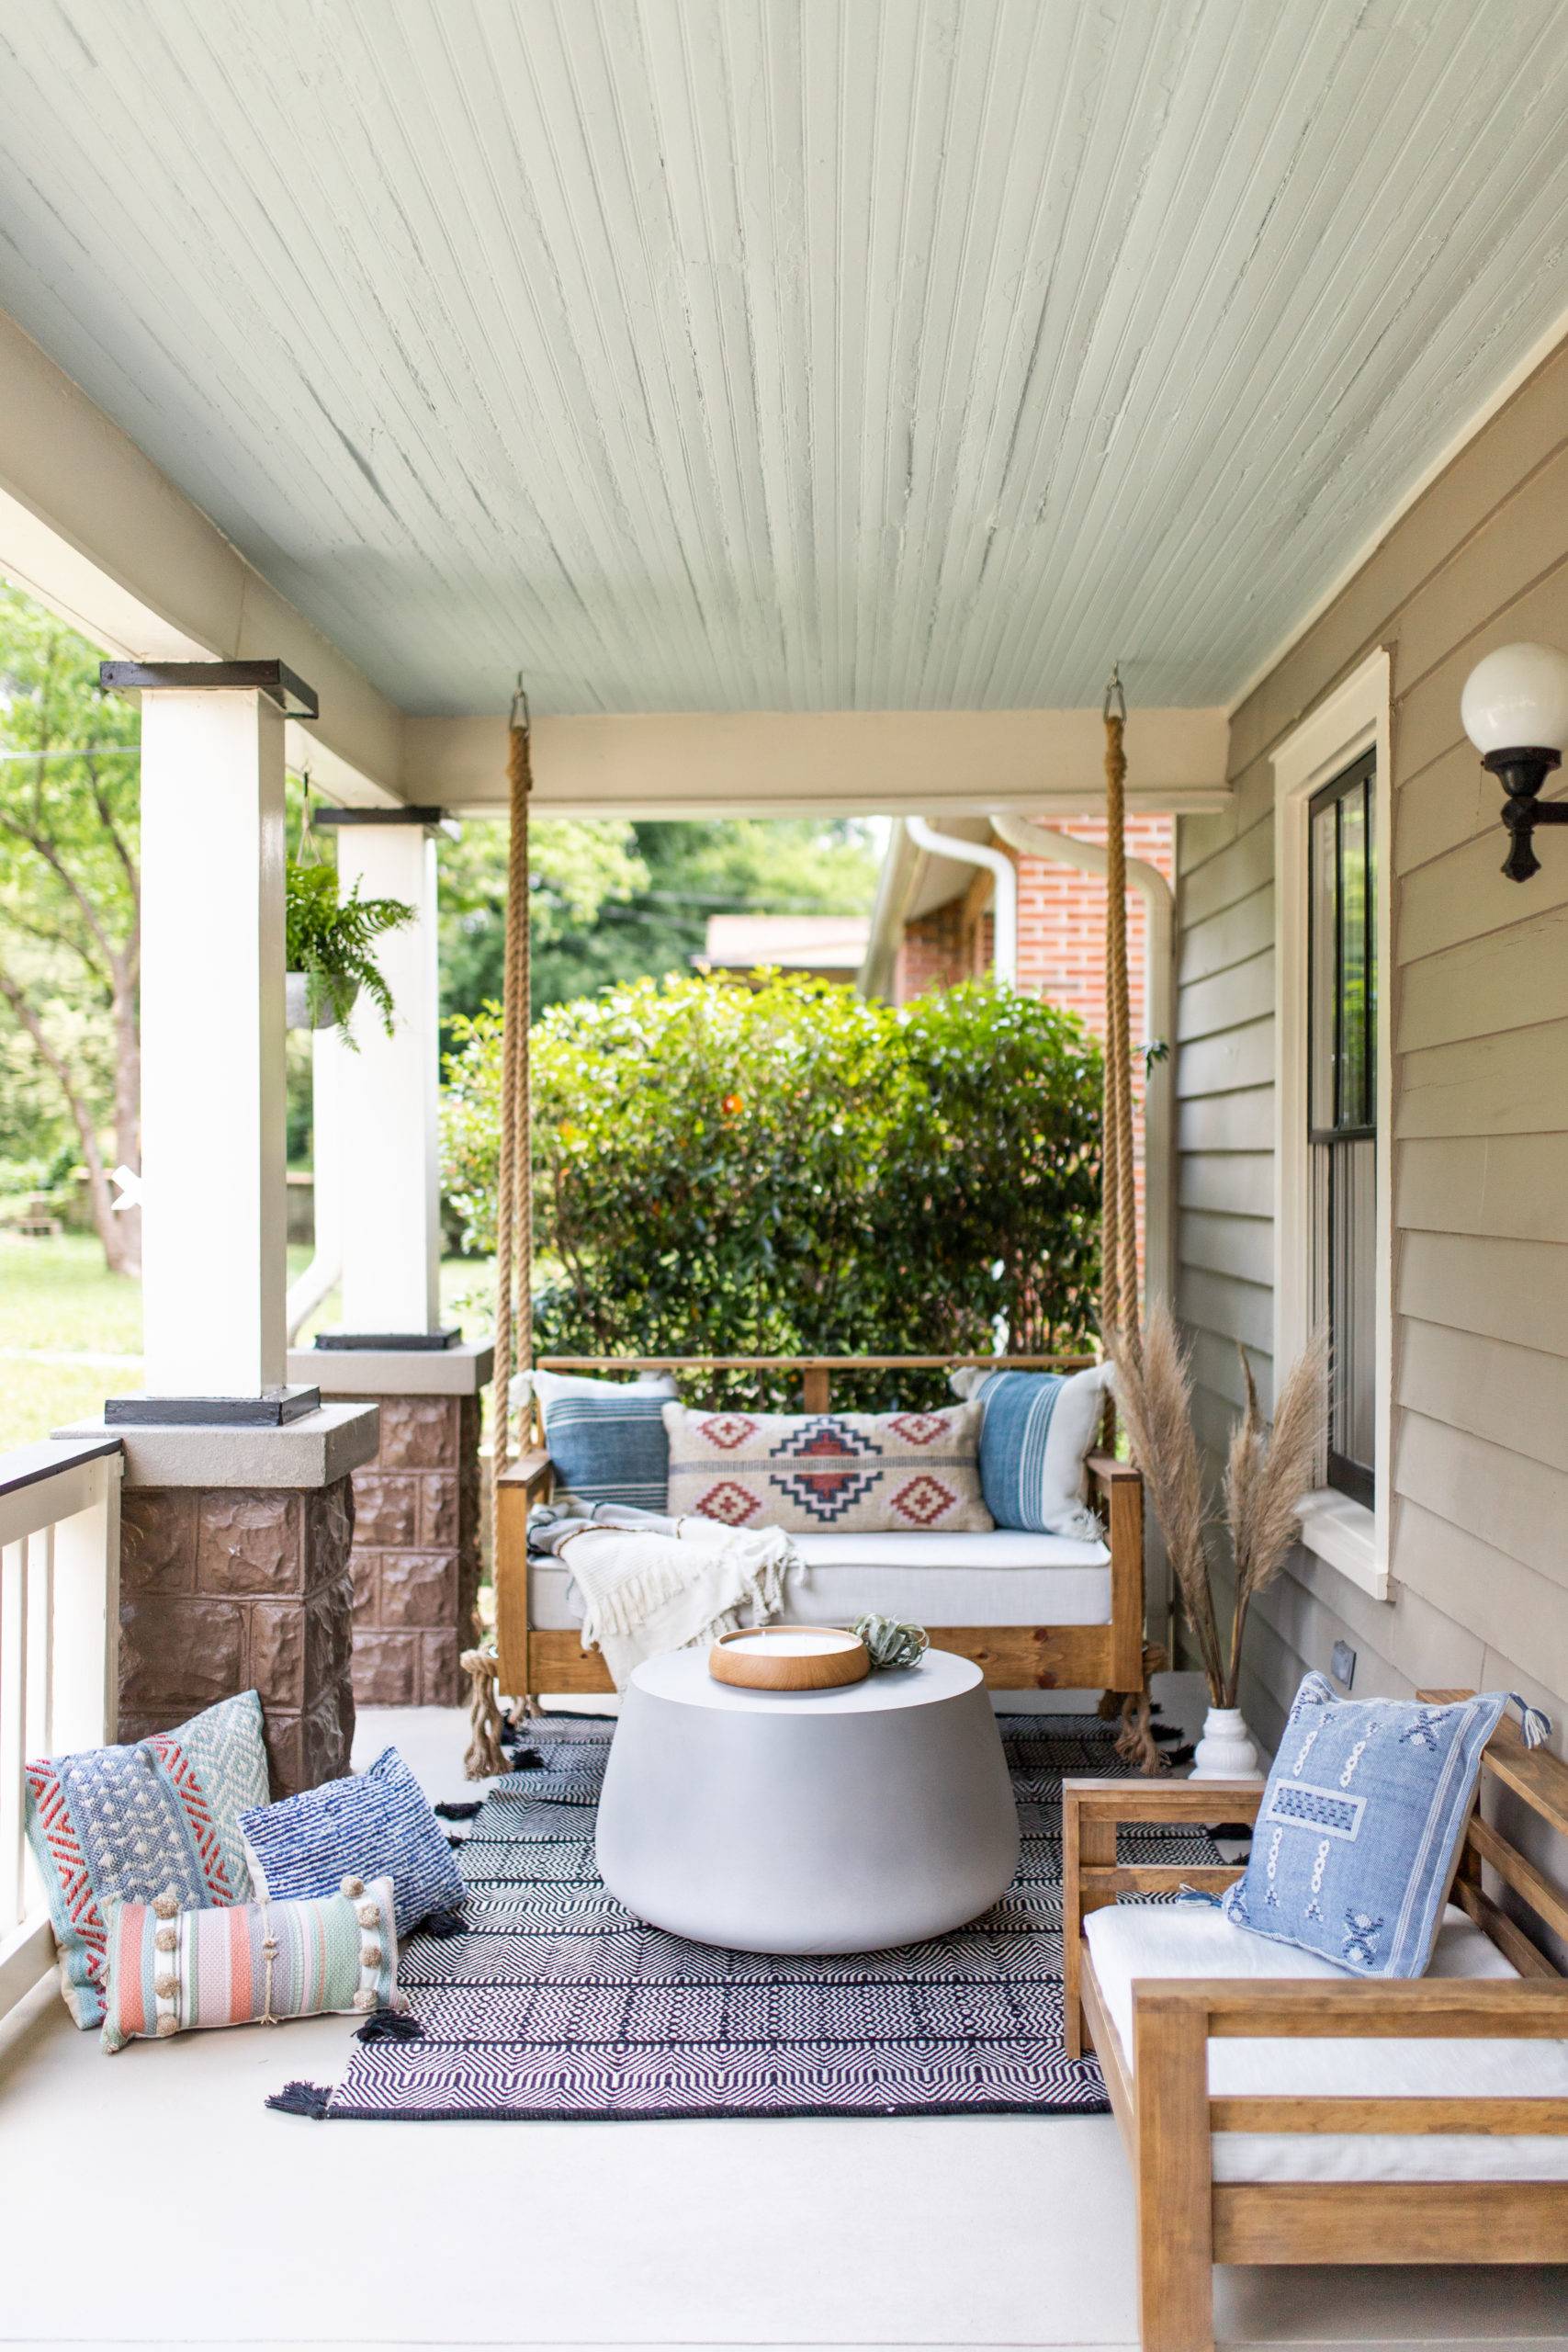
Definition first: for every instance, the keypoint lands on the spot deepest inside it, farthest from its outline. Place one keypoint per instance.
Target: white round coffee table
(810, 1821)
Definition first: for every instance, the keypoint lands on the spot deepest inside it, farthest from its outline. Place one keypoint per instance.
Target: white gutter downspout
(324, 1271)
(1005, 874)
(1090, 857)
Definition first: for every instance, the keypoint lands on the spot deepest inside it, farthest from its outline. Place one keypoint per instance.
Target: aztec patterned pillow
(1360, 1823)
(1038, 1432)
(607, 1443)
(135, 1822)
(374, 1824)
(256, 1964)
(861, 1474)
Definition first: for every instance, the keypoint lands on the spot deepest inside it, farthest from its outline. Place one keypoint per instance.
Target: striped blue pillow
(609, 1448)
(1038, 1431)
(375, 1825)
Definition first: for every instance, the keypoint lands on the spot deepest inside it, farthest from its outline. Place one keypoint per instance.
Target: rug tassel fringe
(301, 2098)
(390, 2025)
(463, 1812)
(442, 1925)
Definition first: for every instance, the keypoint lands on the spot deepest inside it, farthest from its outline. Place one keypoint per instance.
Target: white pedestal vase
(1225, 1752)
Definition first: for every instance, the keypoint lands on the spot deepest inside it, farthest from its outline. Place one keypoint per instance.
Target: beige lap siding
(1479, 1468)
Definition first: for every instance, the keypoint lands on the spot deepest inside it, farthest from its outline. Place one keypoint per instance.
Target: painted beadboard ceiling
(789, 354)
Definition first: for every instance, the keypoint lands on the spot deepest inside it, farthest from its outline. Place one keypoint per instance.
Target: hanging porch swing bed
(1035, 1611)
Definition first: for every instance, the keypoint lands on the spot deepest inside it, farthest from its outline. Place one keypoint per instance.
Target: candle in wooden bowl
(789, 1658)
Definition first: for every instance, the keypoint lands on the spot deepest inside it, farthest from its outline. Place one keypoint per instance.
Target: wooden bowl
(789, 1658)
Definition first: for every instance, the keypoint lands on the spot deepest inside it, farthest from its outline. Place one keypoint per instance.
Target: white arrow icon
(129, 1184)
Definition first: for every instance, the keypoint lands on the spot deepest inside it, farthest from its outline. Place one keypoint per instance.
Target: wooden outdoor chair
(1110, 1656)
(1187, 2220)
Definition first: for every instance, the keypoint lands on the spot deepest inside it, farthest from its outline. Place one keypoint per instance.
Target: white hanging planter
(1227, 1751)
(296, 1008)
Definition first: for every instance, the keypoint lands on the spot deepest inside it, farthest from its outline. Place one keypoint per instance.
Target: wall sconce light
(1515, 708)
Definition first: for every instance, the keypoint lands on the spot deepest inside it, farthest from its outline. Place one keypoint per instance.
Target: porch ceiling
(784, 358)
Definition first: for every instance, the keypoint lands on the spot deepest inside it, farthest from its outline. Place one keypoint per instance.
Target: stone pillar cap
(312, 1451)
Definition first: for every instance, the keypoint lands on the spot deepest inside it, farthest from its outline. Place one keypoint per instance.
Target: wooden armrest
(1155, 1801)
(1422, 2008)
(531, 1470)
(1107, 1472)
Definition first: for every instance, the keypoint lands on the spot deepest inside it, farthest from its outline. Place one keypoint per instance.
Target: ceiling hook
(521, 715)
(1115, 702)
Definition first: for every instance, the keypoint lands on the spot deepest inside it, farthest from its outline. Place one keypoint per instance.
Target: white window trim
(1354, 718)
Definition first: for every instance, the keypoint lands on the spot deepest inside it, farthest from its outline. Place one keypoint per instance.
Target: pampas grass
(1267, 1473)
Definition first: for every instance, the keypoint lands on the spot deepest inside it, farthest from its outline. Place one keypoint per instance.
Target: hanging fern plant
(329, 946)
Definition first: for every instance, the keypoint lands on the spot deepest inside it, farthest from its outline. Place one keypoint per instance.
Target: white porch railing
(59, 1666)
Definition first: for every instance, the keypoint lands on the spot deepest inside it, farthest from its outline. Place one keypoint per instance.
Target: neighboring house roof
(831, 947)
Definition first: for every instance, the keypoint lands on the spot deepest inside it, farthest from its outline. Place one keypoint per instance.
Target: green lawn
(70, 1332)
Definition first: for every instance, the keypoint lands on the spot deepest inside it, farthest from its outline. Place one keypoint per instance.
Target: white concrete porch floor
(153, 2200)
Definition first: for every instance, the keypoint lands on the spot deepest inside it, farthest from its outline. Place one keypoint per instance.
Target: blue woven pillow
(1038, 1432)
(1359, 1826)
(374, 1824)
(609, 1448)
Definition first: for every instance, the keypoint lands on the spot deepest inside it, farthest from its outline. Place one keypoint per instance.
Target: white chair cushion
(1132, 1940)
(996, 1578)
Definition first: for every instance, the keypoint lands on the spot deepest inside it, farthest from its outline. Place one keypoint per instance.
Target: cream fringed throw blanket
(652, 1584)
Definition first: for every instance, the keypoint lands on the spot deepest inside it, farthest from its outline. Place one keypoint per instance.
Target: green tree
(788, 1169)
(70, 918)
(576, 870)
(614, 902)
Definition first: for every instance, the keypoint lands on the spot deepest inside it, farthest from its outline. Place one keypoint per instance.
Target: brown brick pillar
(235, 1574)
(237, 1588)
(416, 1533)
(416, 1552)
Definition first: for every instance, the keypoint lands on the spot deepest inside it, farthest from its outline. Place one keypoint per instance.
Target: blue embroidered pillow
(374, 1824)
(1038, 1431)
(609, 1448)
(1359, 1826)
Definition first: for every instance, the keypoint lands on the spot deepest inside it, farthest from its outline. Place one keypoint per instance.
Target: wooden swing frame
(1110, 1656)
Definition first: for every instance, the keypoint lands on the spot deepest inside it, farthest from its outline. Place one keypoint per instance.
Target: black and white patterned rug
(556, 2002)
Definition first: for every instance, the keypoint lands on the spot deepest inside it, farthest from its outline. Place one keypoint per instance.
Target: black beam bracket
(275, 679)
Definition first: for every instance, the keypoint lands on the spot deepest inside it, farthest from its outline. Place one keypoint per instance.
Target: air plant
(1268, 1471)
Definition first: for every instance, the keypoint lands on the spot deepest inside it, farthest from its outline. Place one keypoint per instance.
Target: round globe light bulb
(1518, 698)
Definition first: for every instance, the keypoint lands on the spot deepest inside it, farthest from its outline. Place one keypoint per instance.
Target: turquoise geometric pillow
(135, 1823)
(1356, 1839)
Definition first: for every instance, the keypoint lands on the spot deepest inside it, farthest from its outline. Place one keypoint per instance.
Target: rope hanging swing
(514, 1193)
(514, 1212)
(1119, 1311)
(1120, 1316)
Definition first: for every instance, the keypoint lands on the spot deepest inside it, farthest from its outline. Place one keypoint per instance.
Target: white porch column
(390, 1172)
(213, 1214)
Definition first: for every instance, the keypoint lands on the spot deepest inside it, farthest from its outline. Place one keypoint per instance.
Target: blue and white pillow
(1038, 1432)
(374, 1824)
(608, 1444)
(1360, 1828)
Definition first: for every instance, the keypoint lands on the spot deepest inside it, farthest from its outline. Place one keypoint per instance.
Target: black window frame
(1355, 1121)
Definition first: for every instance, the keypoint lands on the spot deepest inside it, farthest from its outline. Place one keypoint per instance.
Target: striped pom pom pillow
(255, 1963)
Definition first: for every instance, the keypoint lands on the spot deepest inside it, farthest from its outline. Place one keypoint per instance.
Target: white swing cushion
(1129, 1941)
(1000, 1577)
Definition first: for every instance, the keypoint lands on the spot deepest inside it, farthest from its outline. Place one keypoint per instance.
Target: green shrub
(788, 1169)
